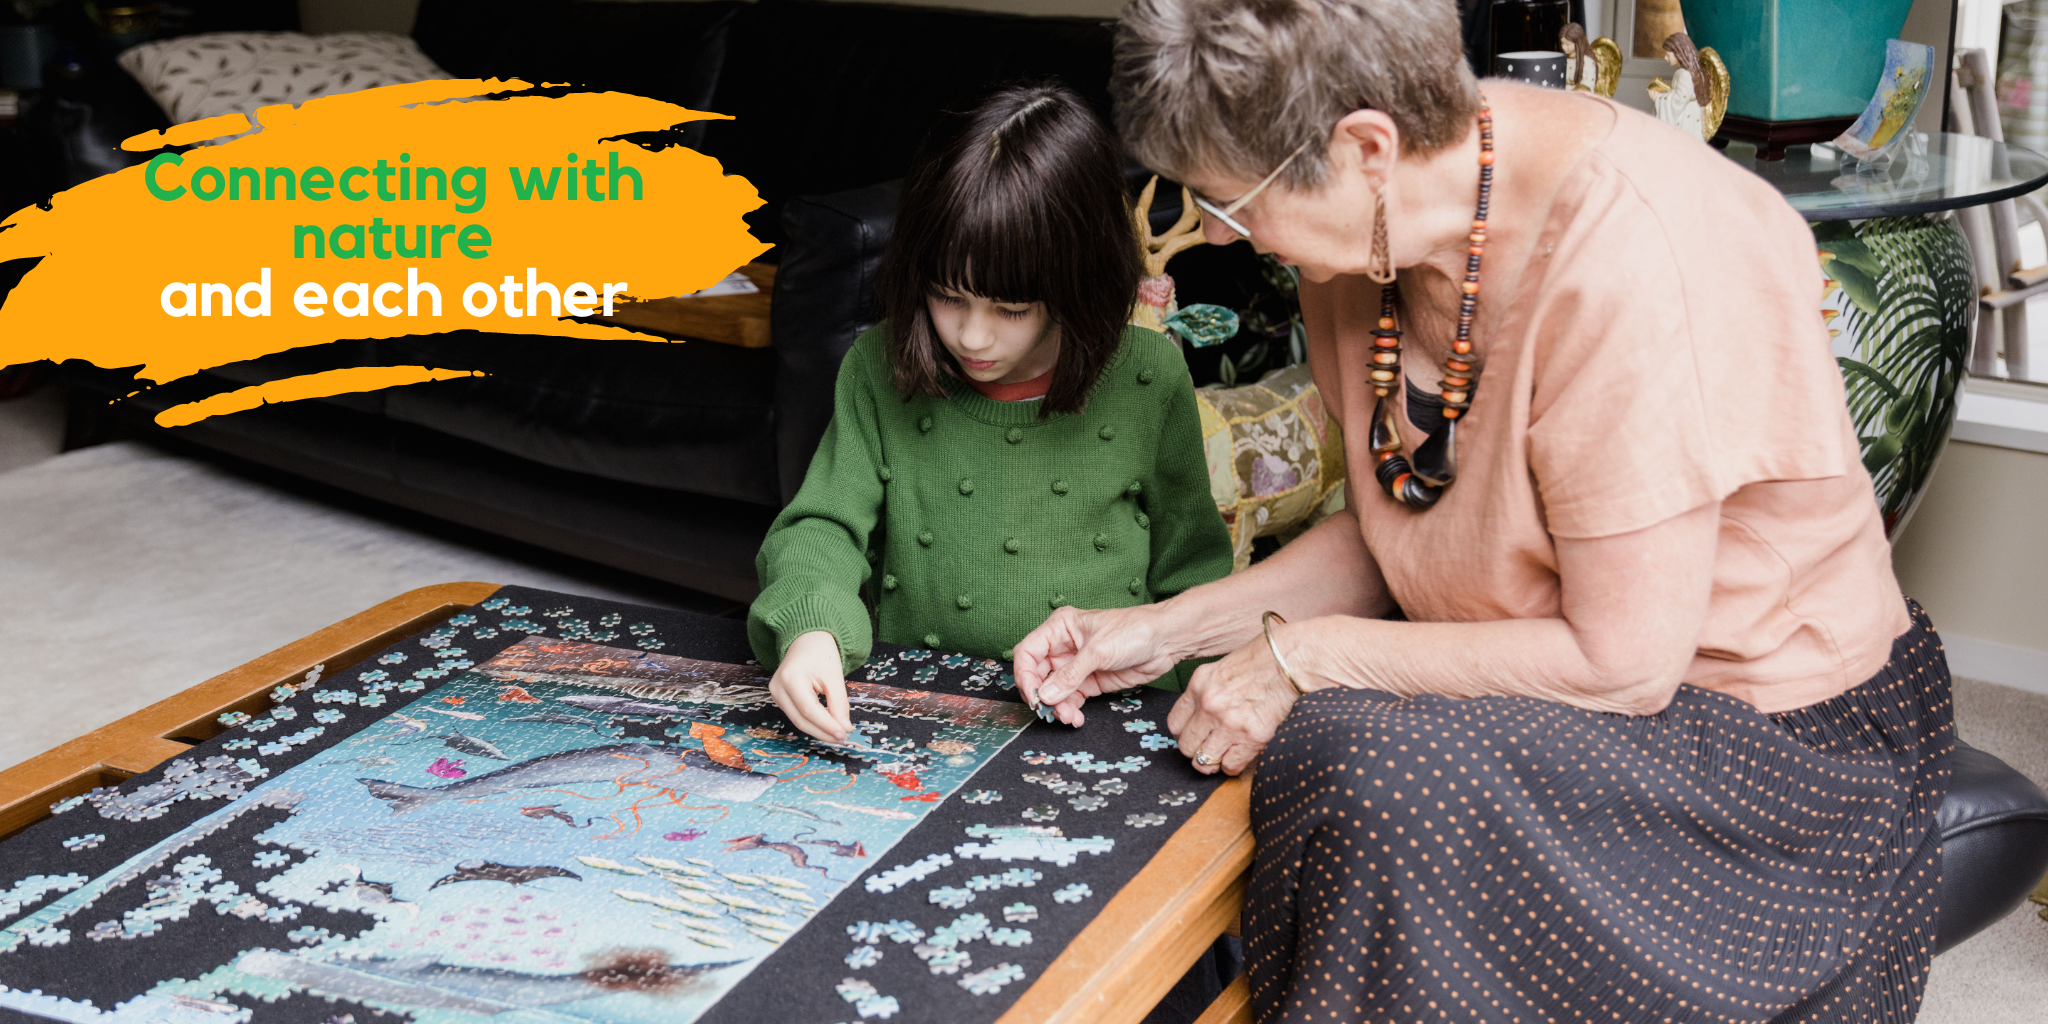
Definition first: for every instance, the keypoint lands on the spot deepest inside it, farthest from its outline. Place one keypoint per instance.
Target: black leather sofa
(666, 460)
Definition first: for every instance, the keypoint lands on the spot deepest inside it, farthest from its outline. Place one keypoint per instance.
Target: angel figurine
(1696, 98)
(1589, 67)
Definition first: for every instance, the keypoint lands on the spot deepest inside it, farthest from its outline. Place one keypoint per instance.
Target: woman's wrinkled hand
(810, 670)
(1078, 653)
(1231, 709)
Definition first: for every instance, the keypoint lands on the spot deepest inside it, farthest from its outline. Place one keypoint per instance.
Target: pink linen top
(1663, 349)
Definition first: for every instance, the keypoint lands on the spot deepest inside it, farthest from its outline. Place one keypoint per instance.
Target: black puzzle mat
(548, 810)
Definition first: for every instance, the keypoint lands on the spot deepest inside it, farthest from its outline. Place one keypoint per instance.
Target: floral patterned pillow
(1276, 461)
(192, 77)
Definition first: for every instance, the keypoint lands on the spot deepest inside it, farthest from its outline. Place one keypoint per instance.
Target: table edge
(1119, 967)
(144, 739)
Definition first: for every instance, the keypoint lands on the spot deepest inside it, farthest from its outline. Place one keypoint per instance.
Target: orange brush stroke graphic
(113, 256)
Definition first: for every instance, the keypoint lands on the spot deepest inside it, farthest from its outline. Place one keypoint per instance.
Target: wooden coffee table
(1115, 971)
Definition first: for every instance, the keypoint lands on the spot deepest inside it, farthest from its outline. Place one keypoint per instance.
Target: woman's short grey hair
(1233, 86)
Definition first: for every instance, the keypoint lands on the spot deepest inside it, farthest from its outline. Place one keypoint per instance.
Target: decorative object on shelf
(1900, 302)
(1518, 27)
(1656, 21)
(1155, 292)
(1589, 66)
(1202, 324)
(1901, 88)
(1543, 68)
(1696, 98)
(1801, 68)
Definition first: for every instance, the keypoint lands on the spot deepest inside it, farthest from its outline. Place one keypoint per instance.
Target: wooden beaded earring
(1381, 268)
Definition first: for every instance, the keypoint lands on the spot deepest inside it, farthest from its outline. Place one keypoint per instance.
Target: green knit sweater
(960, 523)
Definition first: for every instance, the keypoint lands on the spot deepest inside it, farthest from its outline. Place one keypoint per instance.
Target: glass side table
(1900, 301)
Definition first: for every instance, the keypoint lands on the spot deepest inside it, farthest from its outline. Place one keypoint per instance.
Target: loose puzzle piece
(1042, 778)
(1041, 812)
(1140, 725)
(863, 956)
(947, 961)
(866, 1001)
(950, 897)
(1089, 802)
(992, 980)
(1018, 913)
(1012, 937)
(1145, 820)
(983, 796)
(1074, 893)
(1177, 797)
(1112, 787)
(1037, 757)
(1157, 741)
(1126, 705)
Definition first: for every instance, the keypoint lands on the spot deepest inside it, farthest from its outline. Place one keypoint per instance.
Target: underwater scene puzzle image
(565, 829)
(711, 846)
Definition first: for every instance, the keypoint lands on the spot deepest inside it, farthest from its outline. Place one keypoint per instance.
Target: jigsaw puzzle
(541, 812)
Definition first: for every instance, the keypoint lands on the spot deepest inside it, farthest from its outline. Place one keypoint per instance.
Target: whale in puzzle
(681, 769)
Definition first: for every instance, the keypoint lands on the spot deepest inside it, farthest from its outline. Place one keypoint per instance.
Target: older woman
(1654, 736)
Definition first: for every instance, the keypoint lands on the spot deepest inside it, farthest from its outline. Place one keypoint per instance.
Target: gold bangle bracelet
(1266, 623)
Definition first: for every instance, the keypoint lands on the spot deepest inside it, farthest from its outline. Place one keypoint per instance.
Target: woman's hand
(1078, 653)
(810, 669)
(1231, 709)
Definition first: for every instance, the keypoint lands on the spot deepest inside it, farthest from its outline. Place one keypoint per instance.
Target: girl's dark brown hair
(1020, 199)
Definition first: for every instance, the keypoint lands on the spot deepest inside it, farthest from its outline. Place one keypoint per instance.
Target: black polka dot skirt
(1517, 860)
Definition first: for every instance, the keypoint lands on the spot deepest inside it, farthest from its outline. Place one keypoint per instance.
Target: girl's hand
(1231, 709)
(810, 669)
(1075, 654)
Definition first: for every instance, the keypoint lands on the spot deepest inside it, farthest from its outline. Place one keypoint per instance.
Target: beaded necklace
(1420, 484)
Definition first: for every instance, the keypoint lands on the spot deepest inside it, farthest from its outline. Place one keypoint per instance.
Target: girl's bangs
(986, 247)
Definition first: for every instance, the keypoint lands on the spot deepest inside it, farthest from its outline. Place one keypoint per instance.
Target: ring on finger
(1202, 758)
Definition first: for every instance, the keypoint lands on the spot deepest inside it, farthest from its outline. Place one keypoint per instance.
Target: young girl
(1002, 444)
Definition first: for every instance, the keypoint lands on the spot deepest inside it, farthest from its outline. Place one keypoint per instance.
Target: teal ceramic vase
(1793, 60)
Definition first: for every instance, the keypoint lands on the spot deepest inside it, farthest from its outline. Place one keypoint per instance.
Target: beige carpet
(128, 574)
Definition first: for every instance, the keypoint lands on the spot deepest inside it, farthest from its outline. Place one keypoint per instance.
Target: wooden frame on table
(176, 724)
(1116, 970)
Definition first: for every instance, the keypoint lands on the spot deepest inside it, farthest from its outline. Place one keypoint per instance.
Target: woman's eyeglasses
(1223, 213)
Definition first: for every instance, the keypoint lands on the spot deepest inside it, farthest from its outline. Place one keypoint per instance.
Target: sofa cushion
(236, 72)
(688, 416)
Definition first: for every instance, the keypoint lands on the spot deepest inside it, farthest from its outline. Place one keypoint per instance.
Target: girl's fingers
(811, 716)
(835, 703)
(1240, 757)
(792, 709)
